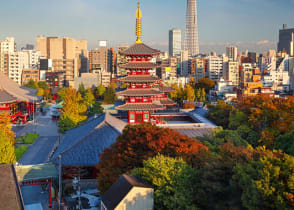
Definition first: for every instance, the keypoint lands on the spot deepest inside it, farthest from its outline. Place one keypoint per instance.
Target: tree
(74, 110)
(113, 85)
(190, 93)
(123, 85)
(82, 89)
(285, 142)
(205, 83)
(109, 96)
(40, 92)
(198, 94)
(95, 109)
(100, 90)
(32, 84)
(62, 93)
(192, 82)
(172, 179)
(47, 94)
(7, 154)
(174, 94)
(89, 98)
(266, 182)
(43, 85)
(138, 143)
(220, 113)
(202, 95)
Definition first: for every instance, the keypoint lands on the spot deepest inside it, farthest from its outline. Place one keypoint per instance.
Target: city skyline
(227, 22)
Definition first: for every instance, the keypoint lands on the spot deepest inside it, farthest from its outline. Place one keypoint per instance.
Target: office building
(121, 59)
(29, 74)
(215, 67)
(286, 40)
(191, 34)
(175, 42)
(232, 53)
(8, 45)
(231, 72)
(184, 60)
(68, 55)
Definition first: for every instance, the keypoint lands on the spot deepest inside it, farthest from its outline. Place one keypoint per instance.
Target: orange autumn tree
(6, 140)
(138, 143)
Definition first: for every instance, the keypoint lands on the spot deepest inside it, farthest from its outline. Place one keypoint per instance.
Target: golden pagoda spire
(139, 24)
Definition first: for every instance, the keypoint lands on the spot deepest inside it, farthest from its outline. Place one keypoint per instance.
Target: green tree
(100, 90)
(198, 94)
(220, 114)
(43, 85)
(95, 109)
(202, 95)
(286, 143)
(32, 84)
(172, 179)
(267, 182)
(89, 98)
(62, 93)
(123, 85)
(7, 154)
(109, 96)
(82, 89)
(174, 94)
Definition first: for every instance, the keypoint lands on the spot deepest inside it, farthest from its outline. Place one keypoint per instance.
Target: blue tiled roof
(82, 145)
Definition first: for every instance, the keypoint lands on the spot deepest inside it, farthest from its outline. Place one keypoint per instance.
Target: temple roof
(139, 65)
(139, 92)
(140, 106)
(139, 78)
(167, 102)
(82, 145)
(140, 49)
(10, 91)
(165, 89)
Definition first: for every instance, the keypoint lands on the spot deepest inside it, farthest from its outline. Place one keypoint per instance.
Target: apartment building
(231, 72)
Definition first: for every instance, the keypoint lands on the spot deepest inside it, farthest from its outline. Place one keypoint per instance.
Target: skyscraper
(286, 40)
(191, 36)
(232, 53)
(175, 42)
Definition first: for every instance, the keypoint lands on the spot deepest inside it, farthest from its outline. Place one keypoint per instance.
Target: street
(38, 152)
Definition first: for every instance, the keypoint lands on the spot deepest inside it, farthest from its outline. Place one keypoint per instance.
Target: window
(146, 116)
(132, 116)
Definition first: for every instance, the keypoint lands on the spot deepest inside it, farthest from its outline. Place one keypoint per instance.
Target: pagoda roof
(139, 65)
(140, 49)
(167, 102)
(139, 92)
(139, 78)
(10, 91)
(140, 106)
(165, 89)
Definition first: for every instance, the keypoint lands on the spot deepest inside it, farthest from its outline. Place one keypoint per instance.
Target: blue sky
(251, 24)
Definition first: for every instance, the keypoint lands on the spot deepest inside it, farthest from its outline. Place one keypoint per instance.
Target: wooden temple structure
(16, 101)
(145, 93)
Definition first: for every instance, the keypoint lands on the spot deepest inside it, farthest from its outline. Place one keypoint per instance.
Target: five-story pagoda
(144, 94)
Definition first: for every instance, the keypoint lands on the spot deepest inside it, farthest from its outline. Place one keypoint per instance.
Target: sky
(248, 24)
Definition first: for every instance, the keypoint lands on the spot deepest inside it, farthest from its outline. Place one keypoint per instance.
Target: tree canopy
(138, 143)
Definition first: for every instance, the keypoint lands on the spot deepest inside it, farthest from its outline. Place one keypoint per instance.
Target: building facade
(232, 53)
(286, 40)
(175, 42)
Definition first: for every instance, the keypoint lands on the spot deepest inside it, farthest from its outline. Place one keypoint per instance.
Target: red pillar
(50, 198)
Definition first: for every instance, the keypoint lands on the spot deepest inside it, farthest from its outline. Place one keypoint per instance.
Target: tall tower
(191, 35)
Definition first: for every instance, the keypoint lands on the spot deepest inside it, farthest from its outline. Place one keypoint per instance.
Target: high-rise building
(68, 55)
(191, 35)
(98, 60)
(121, 59)
(8, 45)
(286, 40)
(184, 63)
(231, 72)
(215, 67)
(232, 53)
(175, 42)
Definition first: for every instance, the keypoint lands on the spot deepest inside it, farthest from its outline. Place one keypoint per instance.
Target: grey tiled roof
(139, 92)
(6, 97)
(139, 65)
(138, 78)
(82, 145)
(167, 102)
(165, 89)
(140, 106)
(118, 191)
(140, 49)
(13, 89)
(195, 132)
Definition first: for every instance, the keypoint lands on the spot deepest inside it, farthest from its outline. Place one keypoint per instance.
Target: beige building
(231, 72)
(128, 193)
(68, 55)
(198, 68)
(121, 59)
(98, 60)
(29, 74)
(168, 69)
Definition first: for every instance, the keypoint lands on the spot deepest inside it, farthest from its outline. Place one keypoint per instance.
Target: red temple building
(145, 94)
(16, 101)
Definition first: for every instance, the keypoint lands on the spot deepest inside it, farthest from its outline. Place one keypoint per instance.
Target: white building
(232, 53)
(175, 42)
(33, 57)
(184, 63)
(17, 61)
(231, 72)
(215, 67)
(8, 45)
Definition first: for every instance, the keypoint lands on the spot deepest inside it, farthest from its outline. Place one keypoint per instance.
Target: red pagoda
(145, 94)
(17, 102)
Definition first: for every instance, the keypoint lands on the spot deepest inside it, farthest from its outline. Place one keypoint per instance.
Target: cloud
(263, 42)
(158, 43)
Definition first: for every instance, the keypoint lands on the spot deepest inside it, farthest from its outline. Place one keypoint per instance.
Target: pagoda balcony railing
(139, 73)
(139, 86)
(139, 100)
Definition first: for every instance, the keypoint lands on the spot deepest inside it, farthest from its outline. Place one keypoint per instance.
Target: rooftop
(140, 49)
(140, 106)
(139, 65)
(139, 78)
(139, 92)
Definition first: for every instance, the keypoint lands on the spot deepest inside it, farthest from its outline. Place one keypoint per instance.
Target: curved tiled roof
(140, 106)
(165, 89)
(13, 89)
(139, 92)
(140, 49)
(139, 65)
(6, 97)
(167, 102)
(139, 78)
